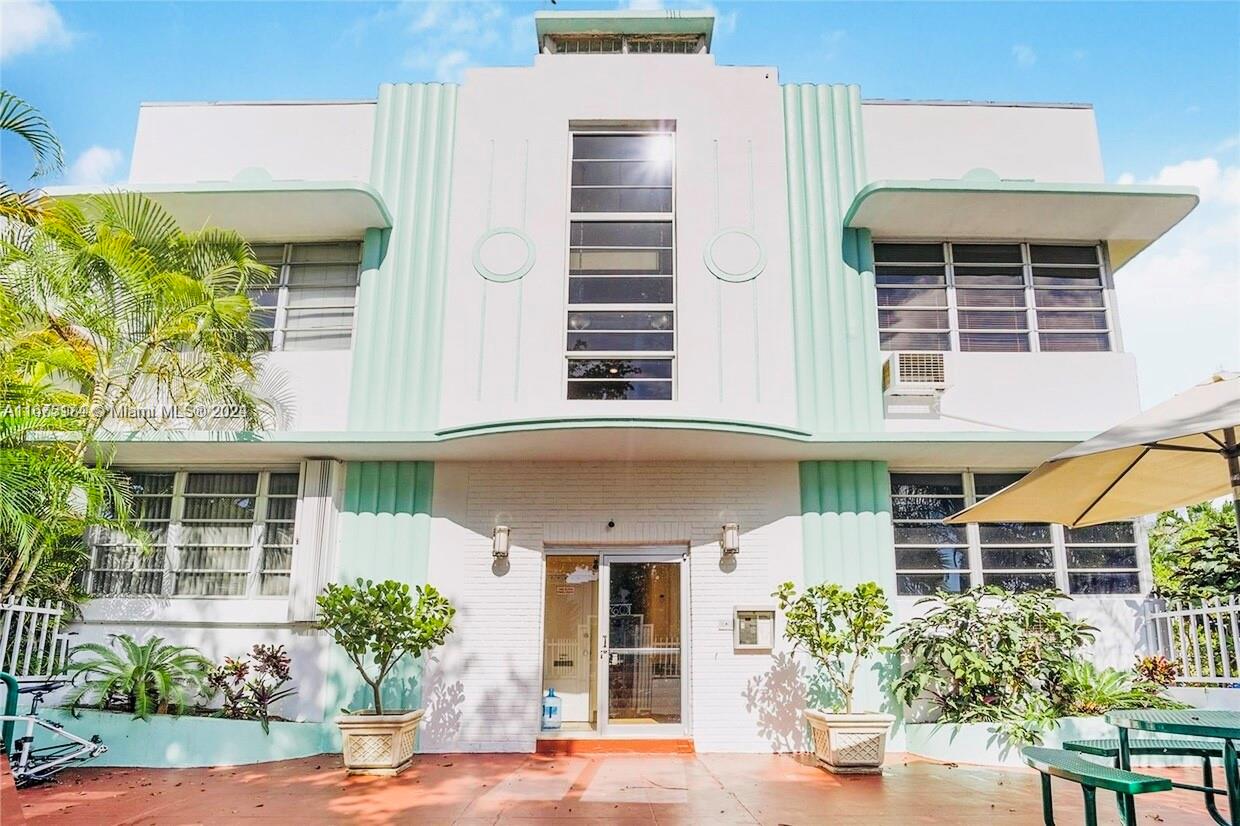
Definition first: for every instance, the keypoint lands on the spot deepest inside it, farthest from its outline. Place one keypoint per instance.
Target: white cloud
(1180, 299)
(27, 25)
(97, 165)
(1024, 55)
(831, 42)
(449, 66)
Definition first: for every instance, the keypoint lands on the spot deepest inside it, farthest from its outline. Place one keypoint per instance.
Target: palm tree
(111, 318)
(147, 677)
(22, 119)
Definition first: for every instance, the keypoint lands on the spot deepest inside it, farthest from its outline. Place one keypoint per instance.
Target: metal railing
(32, 645)
(1203, 638)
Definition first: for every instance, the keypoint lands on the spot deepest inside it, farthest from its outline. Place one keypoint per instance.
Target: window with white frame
(213, 534)
(1018, 556)
(624, 44)
(1008, 297)
(310, 302)
(621, 266)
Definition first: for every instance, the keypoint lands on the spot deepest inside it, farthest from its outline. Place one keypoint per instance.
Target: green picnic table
(1193, 722)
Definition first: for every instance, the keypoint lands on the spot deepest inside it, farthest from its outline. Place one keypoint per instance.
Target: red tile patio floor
(520, 788)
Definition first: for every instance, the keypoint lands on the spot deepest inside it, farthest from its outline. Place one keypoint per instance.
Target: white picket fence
(1202, 637)
(32, 645)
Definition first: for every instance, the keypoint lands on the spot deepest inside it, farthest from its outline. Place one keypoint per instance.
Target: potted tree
(839, 629)
(377, 624)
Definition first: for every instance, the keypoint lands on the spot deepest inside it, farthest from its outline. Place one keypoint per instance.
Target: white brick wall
(482, 689)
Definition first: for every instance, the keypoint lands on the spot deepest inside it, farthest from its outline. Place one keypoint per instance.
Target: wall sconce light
(730, 539)
(499, 542)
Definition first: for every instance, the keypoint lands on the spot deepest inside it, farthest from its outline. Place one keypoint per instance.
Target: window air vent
(914, 373)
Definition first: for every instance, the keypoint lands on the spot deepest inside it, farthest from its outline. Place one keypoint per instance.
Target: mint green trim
(381, 217)
(655, 21)
(1008, 187)
(398, 345)
(708, 256)
(385, 533)
(847, 538)
(836, 343)
(168, 742)
(504, 277)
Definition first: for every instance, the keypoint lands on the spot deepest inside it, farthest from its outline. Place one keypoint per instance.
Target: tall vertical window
(1017, 556)
(620, 341)
(212, 534)
(1012, 297)
(310, 302)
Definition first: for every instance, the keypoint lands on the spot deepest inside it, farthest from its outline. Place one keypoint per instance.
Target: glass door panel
(643, 654)
(570, 635)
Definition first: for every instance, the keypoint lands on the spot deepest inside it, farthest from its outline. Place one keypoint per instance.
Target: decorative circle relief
(734, 255)
(503, 254)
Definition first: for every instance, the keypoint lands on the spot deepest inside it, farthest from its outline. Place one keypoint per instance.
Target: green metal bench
(1169, 746)
(1091, 776)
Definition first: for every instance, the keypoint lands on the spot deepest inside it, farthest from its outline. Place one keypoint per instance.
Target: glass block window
(311, 300)
(1017, 556)
(214, 534)
(620, 332)
(1006, 297)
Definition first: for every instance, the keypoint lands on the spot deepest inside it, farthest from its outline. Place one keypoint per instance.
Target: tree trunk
(374, 688)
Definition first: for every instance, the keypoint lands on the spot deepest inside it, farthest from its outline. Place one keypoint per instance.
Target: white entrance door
(570, 634)
(643, 602)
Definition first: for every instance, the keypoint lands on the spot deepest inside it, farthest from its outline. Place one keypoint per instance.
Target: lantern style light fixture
(730, 539)
(499, 542)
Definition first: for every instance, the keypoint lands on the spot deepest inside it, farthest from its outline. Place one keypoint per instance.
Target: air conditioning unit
(914, 374)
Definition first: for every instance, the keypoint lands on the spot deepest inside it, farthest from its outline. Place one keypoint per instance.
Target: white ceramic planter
(849, 743)
(378, 743)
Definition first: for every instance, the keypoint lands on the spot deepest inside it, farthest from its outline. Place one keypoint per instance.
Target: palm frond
(25, 121)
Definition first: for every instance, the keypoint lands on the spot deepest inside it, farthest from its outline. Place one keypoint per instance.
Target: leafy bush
(831, 623)
(149, 677)
(1090, 691)
(1157, 669)
(379, 623)
(249, 697)
(988, 655)
(1196, 555)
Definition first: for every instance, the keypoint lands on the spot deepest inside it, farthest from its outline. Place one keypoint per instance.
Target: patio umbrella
(1178, 453)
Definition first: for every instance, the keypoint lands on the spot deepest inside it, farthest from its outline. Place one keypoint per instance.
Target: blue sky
(1164, 80)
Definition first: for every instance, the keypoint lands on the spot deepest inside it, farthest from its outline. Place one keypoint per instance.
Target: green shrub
(145, 678)
(831, 624)
(1157, 669)
(988, 655)
(378, 623)
(1196, 555)
(252, 684)
(1090, 691)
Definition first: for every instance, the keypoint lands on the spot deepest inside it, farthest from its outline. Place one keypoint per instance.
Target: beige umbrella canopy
(1178, 453)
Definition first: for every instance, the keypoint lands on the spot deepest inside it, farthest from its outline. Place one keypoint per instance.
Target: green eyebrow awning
(1127, 217)
(271, 210)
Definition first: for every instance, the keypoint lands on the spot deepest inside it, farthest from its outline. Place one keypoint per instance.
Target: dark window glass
(994, 343)
(936, 342)
(919, 533)
(1071, 320)
(621, 173)
(1067, 277)
(1108, 583)
(1106, 533)
(1077, 343)
(619, 368)
(912, 253)
(913, 319)
(918, 559)
(150, 484)
(986, 253)
(928, 584)
(990, 276)
(619, 341)
(621, 200)
(1101, 556)
(975, 320)
(1061, 254)
(600, 320)
(620, 147)
(891, 274)
(990, 298)
(925, 508)
(985, 484)
(621, 234)
(222, 483)
(898, 297)
(619, 290)
(1014, 533)
(282, 483)
(1017, 558)
(1019, 582)
(618, 390)
(927, 484)
(1068, 298)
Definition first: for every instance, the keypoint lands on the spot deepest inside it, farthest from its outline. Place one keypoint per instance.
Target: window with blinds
(621, 339)
(213, 534)
(1017, 556)
(1009, 298)
(311, 300)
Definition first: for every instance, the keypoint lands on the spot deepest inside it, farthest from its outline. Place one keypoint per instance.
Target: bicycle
(31, 765)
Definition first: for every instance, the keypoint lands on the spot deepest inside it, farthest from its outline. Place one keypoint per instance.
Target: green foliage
(253, 683)
(145, 678)
(988, 655)
(19, 118)
(378, 623)
(837, 627)
(1090, 691)
(1157, 669)
(108, 310)
(1196, 554)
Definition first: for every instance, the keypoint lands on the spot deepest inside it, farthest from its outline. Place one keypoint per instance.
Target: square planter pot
(849, 743)
(379, 743)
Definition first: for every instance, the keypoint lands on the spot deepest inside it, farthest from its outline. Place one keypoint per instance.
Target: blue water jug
(550, 711)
